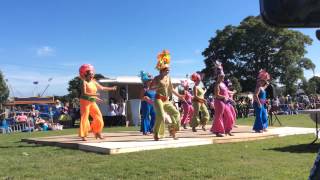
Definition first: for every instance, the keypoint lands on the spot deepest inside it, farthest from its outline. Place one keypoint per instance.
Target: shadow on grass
(300, 148)
(20, 146)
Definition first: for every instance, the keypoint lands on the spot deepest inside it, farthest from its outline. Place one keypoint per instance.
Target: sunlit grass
(278, 158)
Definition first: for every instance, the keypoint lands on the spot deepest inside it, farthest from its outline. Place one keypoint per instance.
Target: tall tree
(313, 85)
(307, 63)
(75, 87)
(251, 46)
(4, 90)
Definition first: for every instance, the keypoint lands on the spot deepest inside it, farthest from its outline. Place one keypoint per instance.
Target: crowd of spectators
(38, 117)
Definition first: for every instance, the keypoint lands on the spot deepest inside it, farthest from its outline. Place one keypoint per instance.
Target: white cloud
(197, 51)
(45, 51)
(21, 81)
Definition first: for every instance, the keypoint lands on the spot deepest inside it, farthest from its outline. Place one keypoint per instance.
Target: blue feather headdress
(145, 76)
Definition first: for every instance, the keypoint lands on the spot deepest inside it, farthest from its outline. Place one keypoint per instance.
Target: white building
(129, 88)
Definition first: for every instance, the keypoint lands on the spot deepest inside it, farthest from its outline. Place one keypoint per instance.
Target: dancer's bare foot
(155, 137)
(83, 138)
(99, 136)
(185, 126)
(230, 134)
(219, 135)
(204, 127)
(194, 129)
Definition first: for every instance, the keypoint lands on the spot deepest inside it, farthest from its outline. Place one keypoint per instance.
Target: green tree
(75, 85)
(251, 46)
(4, 90)
(236, 84)
(313, 85)
(307, 63)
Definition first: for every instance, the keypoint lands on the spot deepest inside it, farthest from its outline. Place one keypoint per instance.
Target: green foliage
(236, 84)
(251, 46)
(4, 90)
(307, 63)
(313, 85)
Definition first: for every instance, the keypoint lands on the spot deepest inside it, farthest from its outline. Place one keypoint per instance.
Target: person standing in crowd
(260, 95)
(147, 97)
(88, 105)
(122, 112)
(164, 90)
(199, 104)
(223, 119)
(112, 107)
(186, 105)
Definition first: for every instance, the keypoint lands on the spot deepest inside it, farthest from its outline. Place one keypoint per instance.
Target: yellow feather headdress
(163, 60)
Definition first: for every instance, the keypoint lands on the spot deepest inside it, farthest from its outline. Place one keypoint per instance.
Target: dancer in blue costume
(147, 98)
(260, 96)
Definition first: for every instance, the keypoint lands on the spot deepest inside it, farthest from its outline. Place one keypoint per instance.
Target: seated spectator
(285, 109)
(291, 108)
(39, 123)
(65, 108)
(296, 108)
(21, 118)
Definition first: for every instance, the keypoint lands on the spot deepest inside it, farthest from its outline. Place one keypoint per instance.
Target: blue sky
(51, 39)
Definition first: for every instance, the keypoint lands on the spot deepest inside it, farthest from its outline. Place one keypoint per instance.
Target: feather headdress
(84, 68)
(163, 60)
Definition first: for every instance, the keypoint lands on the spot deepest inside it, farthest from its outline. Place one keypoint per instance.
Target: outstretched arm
(175, 92)
(113, 88)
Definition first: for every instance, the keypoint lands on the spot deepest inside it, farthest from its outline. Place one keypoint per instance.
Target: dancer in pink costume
(231, 102)
(224, 118)
(186, 105)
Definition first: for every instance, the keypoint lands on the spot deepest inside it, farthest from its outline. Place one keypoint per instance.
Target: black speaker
(318, 34)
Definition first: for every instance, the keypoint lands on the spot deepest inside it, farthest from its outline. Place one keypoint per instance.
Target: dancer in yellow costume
(88, 105)
(164, 89)
(199, 104)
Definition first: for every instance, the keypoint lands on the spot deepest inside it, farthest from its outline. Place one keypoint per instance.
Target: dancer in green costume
(164, 89)
(199, 105)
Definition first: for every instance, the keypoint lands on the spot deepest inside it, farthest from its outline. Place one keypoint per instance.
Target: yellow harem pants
(202, 108)
(161, 108)
(90, 108)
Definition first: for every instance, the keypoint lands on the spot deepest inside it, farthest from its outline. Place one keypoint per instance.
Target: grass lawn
(277, 158)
